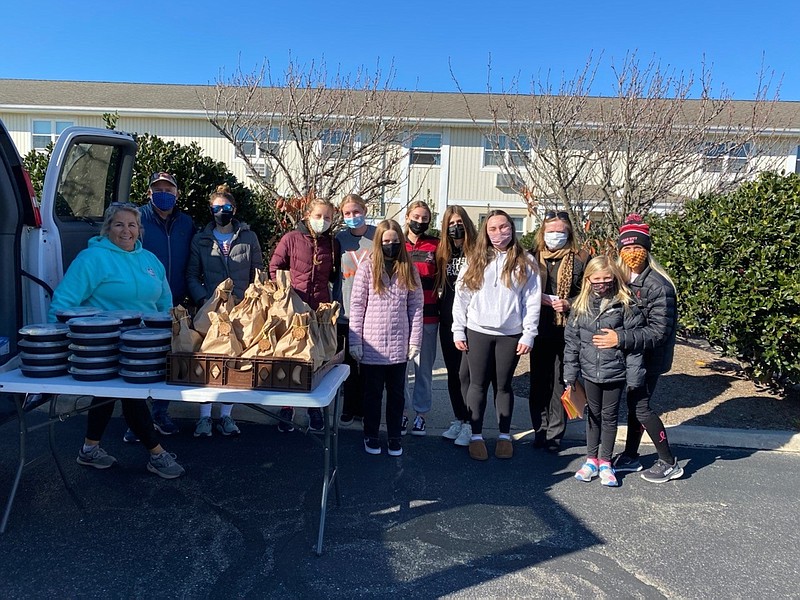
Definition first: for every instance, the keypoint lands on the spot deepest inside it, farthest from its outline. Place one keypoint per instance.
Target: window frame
(505, 154)
(258, 154)
(726, 157)
(417, 152)
(55, 128)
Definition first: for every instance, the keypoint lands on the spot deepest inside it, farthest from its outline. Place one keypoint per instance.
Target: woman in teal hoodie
(116, 273)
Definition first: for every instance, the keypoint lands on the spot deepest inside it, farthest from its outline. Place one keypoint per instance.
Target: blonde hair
(318, 202)
(354, 199)
(402, 264)
(444, 251)
(412, 206)
(596, 265)
(222, 191)
(517, 262)
(538, 241)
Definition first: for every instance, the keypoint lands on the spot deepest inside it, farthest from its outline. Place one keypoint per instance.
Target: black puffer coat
(596, 365)
(655, 297)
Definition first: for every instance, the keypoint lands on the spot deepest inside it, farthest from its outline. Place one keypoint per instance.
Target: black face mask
(417, 227)
(391, 251)
(456, 231)
(223, 218)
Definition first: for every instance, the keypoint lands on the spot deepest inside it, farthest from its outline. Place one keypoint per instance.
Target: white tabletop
(321, 396)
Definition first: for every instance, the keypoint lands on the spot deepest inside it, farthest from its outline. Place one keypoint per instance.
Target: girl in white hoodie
(495, 319)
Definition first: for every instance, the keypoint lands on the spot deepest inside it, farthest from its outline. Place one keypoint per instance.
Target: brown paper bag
(221, 338)
(285, 302)
(265, 342)
(184, 338)
(222, 300)
(327, 313)
(298, 342)
(249, 316)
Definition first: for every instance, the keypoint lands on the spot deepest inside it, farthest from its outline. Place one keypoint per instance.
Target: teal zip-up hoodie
(108, 277)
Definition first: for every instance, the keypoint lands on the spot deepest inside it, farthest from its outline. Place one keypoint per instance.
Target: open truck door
(89, 169)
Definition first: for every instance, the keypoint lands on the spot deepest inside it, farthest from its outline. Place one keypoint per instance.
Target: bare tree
(310, 134)
(650, 145)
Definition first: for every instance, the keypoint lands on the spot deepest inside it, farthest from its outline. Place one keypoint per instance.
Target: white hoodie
(496, 309)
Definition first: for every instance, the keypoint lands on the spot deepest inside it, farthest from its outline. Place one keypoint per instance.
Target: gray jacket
(208, 266)
(597, 365)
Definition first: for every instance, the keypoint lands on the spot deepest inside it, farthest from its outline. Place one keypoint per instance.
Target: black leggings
(641, 418)
(457, 370)
(485, 352)
(353, 388)
(136, 414)
(376, 378)
(546, 386)
(602, 411)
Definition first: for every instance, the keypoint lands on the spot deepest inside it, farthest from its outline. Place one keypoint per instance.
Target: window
(519, 223)
(497, 149)
(45, 132)
(726, 157)
(86, 186)
(335, 144)
(259, 143)
(426, 149)
(797, 161)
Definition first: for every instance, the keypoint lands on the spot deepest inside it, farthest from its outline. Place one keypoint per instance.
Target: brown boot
(504, 449)
(477, 450)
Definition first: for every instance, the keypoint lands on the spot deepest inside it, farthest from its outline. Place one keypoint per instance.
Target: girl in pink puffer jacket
(385, 331)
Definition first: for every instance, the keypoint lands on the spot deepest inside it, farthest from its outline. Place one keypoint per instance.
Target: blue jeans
(422, 367)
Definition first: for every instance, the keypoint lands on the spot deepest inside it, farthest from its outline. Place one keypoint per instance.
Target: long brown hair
(517, 262)
(444, 250)
(402, 264)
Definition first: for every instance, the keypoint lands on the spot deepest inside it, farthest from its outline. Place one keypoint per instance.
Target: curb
(708, 437)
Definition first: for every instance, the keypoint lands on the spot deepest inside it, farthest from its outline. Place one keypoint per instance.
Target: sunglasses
(551, 214)
(218, 208)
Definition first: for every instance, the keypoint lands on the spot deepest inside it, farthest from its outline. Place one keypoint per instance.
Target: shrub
(735, 259)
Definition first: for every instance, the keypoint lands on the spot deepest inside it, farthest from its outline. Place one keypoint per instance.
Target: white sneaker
(464, 436)
(452, 433)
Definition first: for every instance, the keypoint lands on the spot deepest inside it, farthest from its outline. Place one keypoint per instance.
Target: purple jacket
(386, 324)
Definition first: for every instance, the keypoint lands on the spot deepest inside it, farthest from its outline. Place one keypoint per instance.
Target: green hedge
(735, 259)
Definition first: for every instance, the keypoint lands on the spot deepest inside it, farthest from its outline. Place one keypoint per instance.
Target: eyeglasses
(218, 208)
(551, 214)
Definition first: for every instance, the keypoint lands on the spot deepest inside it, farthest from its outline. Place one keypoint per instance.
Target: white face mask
(555, 240)
(319, 225)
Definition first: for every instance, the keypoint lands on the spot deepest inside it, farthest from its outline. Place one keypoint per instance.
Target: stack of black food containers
(131, 319)
(144, 354)
(44, 350)
(159, 320)
(95, 347)
(81, 311)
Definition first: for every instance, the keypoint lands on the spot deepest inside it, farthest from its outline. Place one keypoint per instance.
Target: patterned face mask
(603, 288)
(633, 258)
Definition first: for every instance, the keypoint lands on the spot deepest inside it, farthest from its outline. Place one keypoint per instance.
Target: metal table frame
(326, 396)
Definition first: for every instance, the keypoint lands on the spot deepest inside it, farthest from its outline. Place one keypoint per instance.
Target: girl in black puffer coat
(654, 293)
(604, 302)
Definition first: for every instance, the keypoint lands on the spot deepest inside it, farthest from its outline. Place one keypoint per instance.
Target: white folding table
(326, 396)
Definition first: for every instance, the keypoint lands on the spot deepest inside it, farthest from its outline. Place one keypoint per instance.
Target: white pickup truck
(89, 169)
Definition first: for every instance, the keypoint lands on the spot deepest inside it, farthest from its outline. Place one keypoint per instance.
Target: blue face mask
(355, 222)
(164, 200)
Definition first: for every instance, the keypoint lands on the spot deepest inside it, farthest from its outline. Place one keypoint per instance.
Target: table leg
(330, 452)
(19, 399)
(51, 439)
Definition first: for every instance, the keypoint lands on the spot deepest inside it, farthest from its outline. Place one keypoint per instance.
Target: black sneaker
(625, 464)
(419, 426)
(315, 420)
(404, 426)
(661, 472)
(372, 446)
(288, 414)
(346, 419)
(395, 448)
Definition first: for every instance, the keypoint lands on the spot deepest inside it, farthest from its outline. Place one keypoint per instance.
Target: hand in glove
(357, 352)
(413, 352)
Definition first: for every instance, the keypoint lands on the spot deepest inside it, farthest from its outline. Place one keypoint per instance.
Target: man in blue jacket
(168, 233)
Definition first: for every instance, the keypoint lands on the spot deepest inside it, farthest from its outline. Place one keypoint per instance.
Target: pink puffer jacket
(386, 324)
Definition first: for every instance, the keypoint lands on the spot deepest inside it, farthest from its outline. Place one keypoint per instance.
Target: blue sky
(194, 42)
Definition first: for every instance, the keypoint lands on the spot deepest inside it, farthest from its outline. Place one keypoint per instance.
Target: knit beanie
(634, 231)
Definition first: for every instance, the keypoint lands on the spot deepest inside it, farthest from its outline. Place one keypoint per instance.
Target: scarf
(563, 277)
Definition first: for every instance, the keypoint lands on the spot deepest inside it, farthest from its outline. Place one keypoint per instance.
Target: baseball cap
(162, 176)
